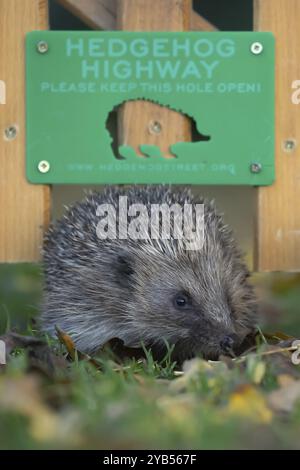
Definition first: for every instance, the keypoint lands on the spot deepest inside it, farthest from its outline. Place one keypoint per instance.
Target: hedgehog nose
(227, 342)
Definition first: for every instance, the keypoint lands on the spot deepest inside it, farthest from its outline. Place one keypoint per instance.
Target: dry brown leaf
(14, 340)
(23, 395)
(285, 379)
(286, 397)
(40, 356)
(67, 341)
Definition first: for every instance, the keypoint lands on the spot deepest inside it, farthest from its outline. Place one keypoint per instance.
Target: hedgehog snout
(228, 342)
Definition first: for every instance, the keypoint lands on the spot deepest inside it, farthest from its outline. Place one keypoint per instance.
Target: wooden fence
(25, 208)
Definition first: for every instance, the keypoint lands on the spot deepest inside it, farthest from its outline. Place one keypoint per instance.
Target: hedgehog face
(191, 307)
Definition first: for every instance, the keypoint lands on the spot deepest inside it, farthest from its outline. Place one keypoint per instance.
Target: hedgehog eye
(182, 300)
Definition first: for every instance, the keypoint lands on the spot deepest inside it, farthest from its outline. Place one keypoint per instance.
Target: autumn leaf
(249, 403)
(286, 397)
(67, 341)
(40, 356)
(23, 395)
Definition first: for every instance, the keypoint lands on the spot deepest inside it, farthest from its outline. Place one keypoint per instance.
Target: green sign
(224, 82)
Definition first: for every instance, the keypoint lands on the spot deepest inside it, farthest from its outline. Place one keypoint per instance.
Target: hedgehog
(151, 290)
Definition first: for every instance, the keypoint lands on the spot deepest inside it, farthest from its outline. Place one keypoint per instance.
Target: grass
(48, 400)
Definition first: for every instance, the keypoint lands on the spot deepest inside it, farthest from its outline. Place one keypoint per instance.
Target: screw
(255, 167)
(43, 166)
(10, 132)
(256, 48)
(155, 127)
(289, 145)
(42, 47)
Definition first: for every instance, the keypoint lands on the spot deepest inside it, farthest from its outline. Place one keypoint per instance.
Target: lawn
(53, 397)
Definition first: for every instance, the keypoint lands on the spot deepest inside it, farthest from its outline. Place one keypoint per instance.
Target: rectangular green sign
(224, 82)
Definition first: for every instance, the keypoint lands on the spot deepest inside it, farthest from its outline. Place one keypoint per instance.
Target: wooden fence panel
(24, 207)
(278, 213)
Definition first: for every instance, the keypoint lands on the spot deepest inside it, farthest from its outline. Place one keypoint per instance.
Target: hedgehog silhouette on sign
(154, 130)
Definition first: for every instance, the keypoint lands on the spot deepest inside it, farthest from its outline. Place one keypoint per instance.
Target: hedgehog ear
(125, 269)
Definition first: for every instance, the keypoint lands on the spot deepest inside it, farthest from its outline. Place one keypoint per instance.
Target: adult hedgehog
(150, 290)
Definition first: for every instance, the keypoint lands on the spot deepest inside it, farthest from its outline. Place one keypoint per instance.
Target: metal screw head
(10, 132)
(255, 167)
(155, 127)
(42, 47)
(289, 145)
(43, 166)
(256, 48)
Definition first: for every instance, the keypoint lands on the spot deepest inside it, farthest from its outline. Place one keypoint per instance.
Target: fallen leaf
(285, 379)
(286, 397)
(40, 355)
(13, 340)
(248, 402)
(67, 341)
(23, 395)
(74, 353)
